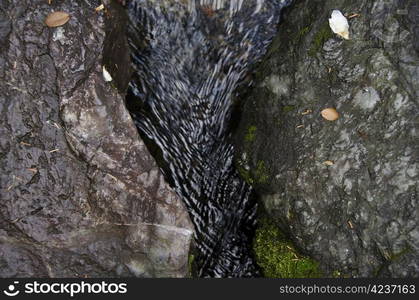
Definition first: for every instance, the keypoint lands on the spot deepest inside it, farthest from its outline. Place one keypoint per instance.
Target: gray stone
(80, 194)
(358, 216)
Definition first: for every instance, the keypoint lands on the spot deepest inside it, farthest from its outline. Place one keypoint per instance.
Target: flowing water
(189, 57)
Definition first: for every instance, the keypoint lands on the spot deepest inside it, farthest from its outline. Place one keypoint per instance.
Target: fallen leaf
(100, 7)
(57, 19)
(330, 114)
(329, 163)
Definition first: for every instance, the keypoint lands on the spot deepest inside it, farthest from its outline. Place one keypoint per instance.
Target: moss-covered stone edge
(276, 255)
(257, 175)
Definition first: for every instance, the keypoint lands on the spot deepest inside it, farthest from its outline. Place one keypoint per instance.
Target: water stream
(189, 58)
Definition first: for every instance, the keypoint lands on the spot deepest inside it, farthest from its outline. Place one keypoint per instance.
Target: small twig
(353, 16)
(113, 177)
(16, 88)
(18, 178)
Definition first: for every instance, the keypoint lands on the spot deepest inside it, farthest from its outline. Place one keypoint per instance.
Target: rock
(358, 216)
(80, 194)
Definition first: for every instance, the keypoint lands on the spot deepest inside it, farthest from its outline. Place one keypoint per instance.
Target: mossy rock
(251, 134)
(261, 175)
(277, 256)
(322, 35)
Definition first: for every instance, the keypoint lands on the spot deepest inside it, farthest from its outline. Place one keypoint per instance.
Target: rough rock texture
(80, 194)
(358, 213)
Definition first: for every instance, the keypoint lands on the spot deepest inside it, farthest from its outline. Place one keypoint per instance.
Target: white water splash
(232, 5)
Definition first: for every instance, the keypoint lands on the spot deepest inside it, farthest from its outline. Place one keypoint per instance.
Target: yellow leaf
(330, 114)
(57, 18)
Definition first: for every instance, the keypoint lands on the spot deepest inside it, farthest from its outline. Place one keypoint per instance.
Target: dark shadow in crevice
(117, 60)
(116, 57)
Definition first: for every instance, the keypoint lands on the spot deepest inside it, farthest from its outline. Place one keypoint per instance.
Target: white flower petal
(106, 75)
(339, 24)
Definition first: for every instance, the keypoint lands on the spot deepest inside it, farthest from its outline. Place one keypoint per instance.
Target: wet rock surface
(181, 98)
(80, 194)
(345, 191)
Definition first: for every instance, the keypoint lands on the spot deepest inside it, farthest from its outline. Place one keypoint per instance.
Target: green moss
(392, 257)
(304, 31)
(398, 256)
(251, 175)
(278, 258)
(337, 274)
(261, 173)
(324, 34)
(297, 37)
(251, 134)
(258, 175)
(288, 108)
(245, 174)
(191, 260)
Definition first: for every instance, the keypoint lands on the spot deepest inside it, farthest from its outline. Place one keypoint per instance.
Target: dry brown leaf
(57, 18)
(330, 114)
